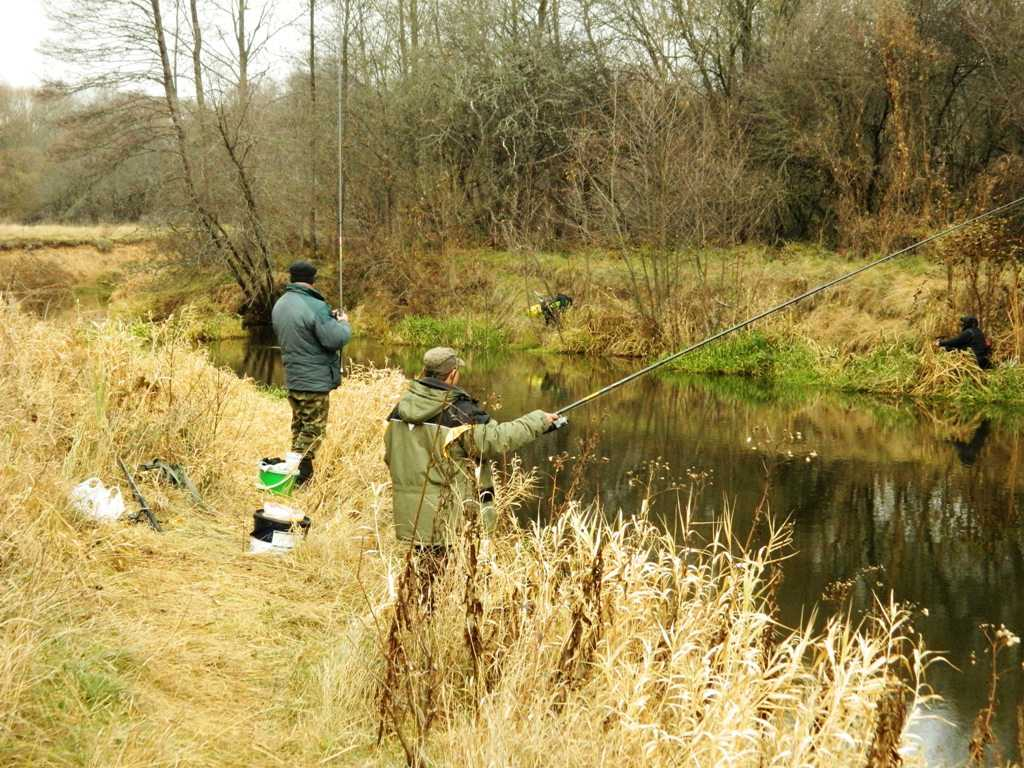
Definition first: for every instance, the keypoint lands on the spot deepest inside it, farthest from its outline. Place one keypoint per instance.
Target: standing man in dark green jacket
(311, 336)
(439, 445)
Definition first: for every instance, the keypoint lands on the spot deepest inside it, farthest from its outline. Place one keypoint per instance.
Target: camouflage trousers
(309, 420)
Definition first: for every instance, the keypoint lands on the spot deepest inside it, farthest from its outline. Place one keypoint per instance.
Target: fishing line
(778, 308)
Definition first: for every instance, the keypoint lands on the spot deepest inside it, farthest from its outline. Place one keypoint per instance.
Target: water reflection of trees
(933, 500)
(263, 364)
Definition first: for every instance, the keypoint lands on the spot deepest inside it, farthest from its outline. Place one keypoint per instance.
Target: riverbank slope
(874, 334)
(578, 644)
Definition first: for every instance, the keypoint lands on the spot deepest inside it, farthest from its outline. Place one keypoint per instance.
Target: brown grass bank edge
(68, 271)
(585, 643)
(103, 237)
(863, 336)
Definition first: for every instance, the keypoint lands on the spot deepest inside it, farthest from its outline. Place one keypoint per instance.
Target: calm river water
(924, 501)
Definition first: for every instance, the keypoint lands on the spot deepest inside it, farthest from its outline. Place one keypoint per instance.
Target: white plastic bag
(93, 499)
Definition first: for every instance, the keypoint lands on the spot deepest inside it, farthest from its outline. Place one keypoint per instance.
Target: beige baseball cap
(442, 361)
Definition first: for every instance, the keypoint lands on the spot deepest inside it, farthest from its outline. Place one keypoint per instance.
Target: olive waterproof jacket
(439, 445)
(310, 339)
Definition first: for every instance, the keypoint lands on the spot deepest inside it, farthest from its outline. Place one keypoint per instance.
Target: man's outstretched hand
(554, 421)
(340, 315)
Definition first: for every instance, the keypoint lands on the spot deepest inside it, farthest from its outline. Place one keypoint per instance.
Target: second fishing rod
(778, 308)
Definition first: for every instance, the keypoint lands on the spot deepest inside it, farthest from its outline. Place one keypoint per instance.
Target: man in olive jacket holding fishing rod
(311, 336)
(438, 445)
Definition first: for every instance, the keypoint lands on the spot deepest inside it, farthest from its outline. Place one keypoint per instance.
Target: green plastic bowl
(277, 483)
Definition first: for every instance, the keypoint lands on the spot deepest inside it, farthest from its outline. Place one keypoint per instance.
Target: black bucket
(275, 535)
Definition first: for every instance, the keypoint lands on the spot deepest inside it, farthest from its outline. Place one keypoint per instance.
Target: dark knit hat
(968, 321)
(302, 272)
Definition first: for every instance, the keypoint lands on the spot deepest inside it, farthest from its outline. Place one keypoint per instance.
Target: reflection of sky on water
(915, 501)
(936, 730)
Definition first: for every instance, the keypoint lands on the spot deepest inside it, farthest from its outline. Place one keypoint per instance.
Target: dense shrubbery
(632, 123)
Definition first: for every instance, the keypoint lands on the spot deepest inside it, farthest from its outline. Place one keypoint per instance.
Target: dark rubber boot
(305, 471)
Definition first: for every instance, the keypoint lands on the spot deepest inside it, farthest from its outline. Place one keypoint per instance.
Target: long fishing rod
(778, 308)
(343, 19)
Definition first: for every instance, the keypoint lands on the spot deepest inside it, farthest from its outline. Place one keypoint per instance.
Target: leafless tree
(144, 56)
(544, 121)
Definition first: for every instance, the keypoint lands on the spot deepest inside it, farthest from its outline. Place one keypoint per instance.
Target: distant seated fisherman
(970, 337)
(551, 307)
(311, 336)
(438, 445)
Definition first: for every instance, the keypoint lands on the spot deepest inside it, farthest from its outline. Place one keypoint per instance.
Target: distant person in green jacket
(311, 336)
(439, 444)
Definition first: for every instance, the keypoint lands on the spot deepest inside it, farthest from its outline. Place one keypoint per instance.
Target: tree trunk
(343, 75)
(263, 274)
(414, 25)
(197, 62)
(403, 52)
(312, 130)
(243, 54)
(245, 272)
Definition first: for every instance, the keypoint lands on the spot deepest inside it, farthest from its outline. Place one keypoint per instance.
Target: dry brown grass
(901, 302)
(58, 235)
(583, 643)
(49, 278)
(941, 371)
(610, 327)
(195, 647)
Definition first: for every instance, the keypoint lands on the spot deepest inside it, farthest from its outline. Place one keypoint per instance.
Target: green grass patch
(891, 369)
(896, 369)
(1004, 384)
(189, 325)
(744, 354)
(459, 332)
(220, 325)
(95, 294)
(756, 354)
(97, 685)
(272, 390)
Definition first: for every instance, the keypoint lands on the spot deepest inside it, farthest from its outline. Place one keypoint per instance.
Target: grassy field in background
(116, 270)
(54, 269)
(101, 236)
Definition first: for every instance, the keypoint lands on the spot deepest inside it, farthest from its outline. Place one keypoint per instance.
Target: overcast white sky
(24, 27)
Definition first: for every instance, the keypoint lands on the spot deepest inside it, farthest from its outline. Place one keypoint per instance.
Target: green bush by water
(744, 354)
(458, 332)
